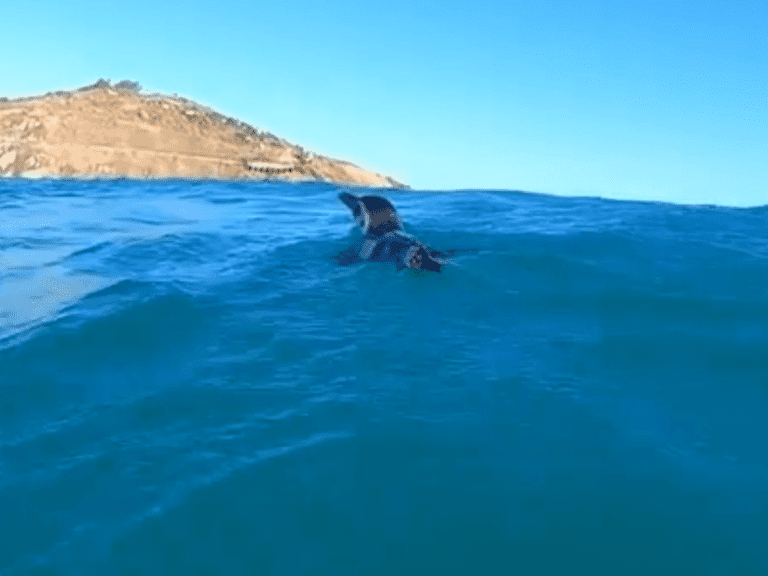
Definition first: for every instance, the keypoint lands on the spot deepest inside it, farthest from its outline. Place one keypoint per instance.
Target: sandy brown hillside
(115, 130)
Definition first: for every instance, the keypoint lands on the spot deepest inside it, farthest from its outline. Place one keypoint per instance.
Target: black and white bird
(384, 239)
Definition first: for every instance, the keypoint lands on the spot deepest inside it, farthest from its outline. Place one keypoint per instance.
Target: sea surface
(190, 384)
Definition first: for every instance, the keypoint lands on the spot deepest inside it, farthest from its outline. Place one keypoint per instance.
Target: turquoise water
(189, 384)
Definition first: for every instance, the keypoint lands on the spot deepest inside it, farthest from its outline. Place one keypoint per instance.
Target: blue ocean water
(189, 384)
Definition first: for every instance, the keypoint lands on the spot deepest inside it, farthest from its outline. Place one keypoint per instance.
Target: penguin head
(373, 214)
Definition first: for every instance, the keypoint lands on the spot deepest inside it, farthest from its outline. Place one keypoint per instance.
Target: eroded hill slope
(106, 130)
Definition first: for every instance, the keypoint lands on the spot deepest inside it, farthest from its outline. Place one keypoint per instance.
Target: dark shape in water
(384, 239)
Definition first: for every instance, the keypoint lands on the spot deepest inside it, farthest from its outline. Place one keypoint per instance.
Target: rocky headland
(107, 130)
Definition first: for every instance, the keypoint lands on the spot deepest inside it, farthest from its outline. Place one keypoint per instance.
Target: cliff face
(105, 130)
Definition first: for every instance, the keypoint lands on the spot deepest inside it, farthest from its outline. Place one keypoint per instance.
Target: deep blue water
(189, 384)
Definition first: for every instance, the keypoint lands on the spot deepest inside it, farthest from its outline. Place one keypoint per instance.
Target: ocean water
(189, 384)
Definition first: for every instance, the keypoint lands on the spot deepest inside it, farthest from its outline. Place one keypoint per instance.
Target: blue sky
(643, 100)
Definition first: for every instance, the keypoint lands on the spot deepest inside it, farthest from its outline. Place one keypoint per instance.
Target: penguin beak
(359, 212)
(349, 200)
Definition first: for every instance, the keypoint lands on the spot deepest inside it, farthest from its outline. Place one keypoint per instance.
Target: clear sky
(634, 100)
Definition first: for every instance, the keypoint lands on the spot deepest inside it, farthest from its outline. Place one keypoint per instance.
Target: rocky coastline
(110, 130)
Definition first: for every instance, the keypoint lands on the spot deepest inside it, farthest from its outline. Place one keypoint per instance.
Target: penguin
(384, 239)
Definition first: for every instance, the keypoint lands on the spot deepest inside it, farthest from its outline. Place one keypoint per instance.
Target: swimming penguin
(384, 239)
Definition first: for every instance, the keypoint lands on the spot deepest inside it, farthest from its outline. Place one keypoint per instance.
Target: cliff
(115, 130)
